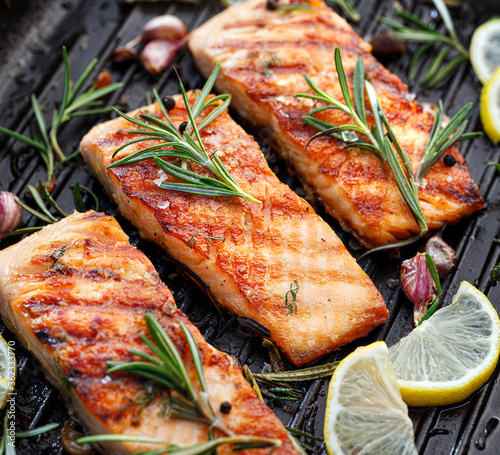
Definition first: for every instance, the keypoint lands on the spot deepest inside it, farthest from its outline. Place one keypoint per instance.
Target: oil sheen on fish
(254, 258)
(264, 55)
(76, 295)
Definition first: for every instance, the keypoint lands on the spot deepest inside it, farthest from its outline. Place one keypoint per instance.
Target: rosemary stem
(50, 163)
(208, 414)
(458, 46)
(364, 127)
(55, 145)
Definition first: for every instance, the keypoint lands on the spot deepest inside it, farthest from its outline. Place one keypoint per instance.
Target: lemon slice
(365, 414)
(490, 107)
(452, 354)
(8, 371)
(485, 49)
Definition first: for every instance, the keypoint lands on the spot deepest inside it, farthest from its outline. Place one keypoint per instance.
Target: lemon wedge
(365, 413)
(452, 354)
(490, 107)
(485, 50)
(8, 371)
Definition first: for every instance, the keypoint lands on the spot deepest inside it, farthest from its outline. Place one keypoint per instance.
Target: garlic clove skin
(11, 214)
(417, 284)
(158, 54)
(69, 436)
(442, 254)
(166, 27)
(123, 54)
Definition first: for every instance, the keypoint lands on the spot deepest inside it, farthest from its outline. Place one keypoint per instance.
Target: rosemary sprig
(44, 214)
(380, 140)
(302, 374)
(56, 255)
(192, 240)
(186, 145)
(276, 384)
(291, 295)
(166, 368)
(428, 37)
(45, 139)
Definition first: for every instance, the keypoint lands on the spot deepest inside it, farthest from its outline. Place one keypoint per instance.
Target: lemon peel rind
(489, 96)
(481, 71)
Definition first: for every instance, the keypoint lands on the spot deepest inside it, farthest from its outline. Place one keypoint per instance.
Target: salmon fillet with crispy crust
(89, 307)
(264, 55)
(254, 258)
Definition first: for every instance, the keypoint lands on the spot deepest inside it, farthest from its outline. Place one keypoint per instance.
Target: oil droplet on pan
(488, 429)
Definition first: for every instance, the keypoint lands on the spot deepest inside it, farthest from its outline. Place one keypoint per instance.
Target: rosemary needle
(348, 9)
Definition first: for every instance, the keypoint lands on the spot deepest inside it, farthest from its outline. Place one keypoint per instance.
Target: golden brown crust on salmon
(88, 308)
(264, 55)
(248, 254)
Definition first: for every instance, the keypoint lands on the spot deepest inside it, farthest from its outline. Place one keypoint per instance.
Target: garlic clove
(165, 27)
(11, 214)
(158, 54)
(417, 284)
(442, 254)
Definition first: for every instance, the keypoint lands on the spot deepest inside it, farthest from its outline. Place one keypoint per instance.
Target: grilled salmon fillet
(264, 55)
(76, 294)
(254, 258)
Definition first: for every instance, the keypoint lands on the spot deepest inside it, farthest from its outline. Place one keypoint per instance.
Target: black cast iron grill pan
(31, 36)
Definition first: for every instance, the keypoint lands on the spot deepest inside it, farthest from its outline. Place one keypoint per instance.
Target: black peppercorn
(182, 127)
(169, 103)
(272, 5)
(449, 160)
(225, 407)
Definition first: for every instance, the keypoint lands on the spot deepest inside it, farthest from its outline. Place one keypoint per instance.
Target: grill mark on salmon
(265, 248)
(92, 310)
(355, 188)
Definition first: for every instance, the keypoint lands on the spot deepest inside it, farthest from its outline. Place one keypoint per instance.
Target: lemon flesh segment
(8, 371)
(452, 354)
(365, 414)
(485, 49)
(490, 107)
